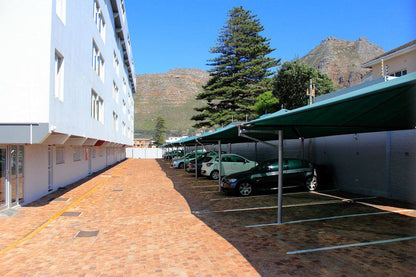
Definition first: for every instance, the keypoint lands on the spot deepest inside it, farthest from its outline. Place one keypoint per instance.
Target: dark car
(265, 177)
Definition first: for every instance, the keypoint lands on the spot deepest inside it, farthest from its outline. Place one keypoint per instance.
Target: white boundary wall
(144, 153)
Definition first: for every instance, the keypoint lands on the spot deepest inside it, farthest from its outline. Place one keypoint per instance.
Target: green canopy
(385, 106)
(382, 107)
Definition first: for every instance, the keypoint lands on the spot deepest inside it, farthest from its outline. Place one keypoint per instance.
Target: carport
(385, 106)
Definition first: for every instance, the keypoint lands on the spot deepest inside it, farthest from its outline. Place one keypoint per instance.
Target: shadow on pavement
(268, 248)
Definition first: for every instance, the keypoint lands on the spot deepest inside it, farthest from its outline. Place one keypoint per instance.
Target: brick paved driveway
(142, 218)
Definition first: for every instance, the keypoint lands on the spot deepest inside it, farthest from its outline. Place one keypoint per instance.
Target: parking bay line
(207, 186)
(288, 206)
(350, 245)
(265, 195)
(328, 218)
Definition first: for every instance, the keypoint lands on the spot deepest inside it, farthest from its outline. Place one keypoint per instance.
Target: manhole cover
(117, 190)
(86, 234)
(71, 214)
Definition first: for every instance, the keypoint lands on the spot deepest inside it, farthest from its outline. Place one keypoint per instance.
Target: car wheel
(245, 189)
(312, 183)
(215, 175)
(180, 165)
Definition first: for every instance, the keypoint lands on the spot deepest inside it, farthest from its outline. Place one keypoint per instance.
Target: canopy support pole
(219, 165)
(196, 158)
(280, 188)
(196, 162)
(184, 160)
(242, 133)
(302, 141)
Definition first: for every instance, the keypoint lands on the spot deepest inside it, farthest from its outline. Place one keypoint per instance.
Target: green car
(265, 177)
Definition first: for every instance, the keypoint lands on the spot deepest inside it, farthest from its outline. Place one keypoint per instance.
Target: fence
(144, 153)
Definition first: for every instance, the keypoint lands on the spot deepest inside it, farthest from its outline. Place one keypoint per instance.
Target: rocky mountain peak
(342, 59)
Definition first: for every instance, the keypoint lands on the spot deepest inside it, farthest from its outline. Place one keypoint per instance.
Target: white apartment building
(66, 88)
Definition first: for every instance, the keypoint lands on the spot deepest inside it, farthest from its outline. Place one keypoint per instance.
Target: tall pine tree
(240, 71)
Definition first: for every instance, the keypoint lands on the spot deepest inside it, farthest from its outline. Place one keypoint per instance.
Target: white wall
(144, 153)
(35, 172)
(31, 34)
(25, 60)
(381, 164)
(36, 168)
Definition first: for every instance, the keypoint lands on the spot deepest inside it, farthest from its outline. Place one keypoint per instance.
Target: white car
(230, 163)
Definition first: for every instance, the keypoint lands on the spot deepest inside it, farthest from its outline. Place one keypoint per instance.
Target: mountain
(170, 95)
(341, 59)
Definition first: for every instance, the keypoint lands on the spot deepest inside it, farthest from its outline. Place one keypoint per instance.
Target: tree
(292, 81)
(160, 131)
(240, 71)
(266, 103)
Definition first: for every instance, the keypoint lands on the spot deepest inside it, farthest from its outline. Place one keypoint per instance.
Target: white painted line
(327, 218)
(290, 205)
(349, 245)
(214, 191)
(210, 186)
(263, 195)
(241, 197)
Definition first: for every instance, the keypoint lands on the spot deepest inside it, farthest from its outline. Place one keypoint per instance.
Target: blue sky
(166, 34)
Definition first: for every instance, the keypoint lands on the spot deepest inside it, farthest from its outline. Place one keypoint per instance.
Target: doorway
(50, 168)
(11, 175)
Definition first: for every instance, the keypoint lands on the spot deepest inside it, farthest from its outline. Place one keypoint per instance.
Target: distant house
(173, 139)
(395, 63)
(143, 143)
(67, 84)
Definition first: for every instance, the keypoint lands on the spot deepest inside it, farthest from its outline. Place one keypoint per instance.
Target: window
(60, 157)
(124, 106)
(61, 9)
(115, 121)
(59, 76)
(77, 154)
(93, 153)
(99, 19)
(116, 63)
(123, 10)
(123, 128)
(124, 86)
(115, 92)
(97, 61)
(97, 107)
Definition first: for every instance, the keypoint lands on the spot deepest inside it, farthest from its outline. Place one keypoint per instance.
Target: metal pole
(303, 148)
(279, 193)
(219, 165)
(196, 163)
(184, 160)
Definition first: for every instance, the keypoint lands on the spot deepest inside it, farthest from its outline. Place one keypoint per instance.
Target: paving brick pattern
(143, 218)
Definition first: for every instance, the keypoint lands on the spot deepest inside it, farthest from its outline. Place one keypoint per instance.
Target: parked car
(179, 162)
(172, 154)
(204, 158)
(230, 163)
(265, 177)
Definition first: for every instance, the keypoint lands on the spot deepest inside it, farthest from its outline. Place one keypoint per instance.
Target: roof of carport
(385, 106)
(381, 107)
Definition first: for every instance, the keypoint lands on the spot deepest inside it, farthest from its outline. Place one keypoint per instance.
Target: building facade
(67, 84)
(394, 63)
